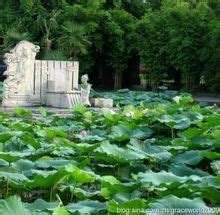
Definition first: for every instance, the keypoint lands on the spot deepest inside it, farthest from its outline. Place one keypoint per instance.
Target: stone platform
(36, 113)
(61, 112)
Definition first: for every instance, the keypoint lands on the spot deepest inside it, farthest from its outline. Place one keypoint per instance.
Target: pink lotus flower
(130, 114)
(112, 112)
(144, 111)
(154, 110)
(83, 133)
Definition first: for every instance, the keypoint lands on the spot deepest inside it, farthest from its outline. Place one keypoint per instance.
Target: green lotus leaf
(12, 174)
(21, 112)
(90, 138)
(173, 202)
(80, 176)
(211, 194)
(56, 164)
(189, 157)
(210, 155)
(87, 115)
(85, 147)
(43, 111)
(50, 133)
(3, 163)
(148, 150)
(131, 112)
(13, 156)
(42, 205)
(24, 166)
(194, 116)
(63, 151)
(47, 179)
(192, 132)
(83, 194)
(111, 186)
(87, 207)
(142, 133)
(80, 109)
(179, 122)
(210, 122)
(185, 99)
(13, 205)
(217, 134)
(4, 136)
(150, 178)
(29, 140)
(183, 170)
(123, 153)
(123, 196)
(120, 133)
(60, 210)
(123, 90)
(215, 165)
(132, 207)
(21, 126)
(111, 116)
(108, 179)
(126, 159)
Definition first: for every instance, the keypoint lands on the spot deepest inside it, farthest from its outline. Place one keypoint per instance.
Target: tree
(173, 39)
(211, 55)
(187, 27)
(117, 30)
(73, 41)
(153, 38)
(47, 23)
(135, 7)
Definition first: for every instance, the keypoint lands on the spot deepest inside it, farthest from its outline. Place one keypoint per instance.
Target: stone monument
(31, 82)
(18, 86)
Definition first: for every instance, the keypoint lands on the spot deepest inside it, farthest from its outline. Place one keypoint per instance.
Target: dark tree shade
(173, 40)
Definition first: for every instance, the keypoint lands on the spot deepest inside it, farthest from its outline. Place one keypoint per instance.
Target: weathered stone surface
(55, 76)
(85, 88)
(61, 112)
(18, 86)
(31, 82)
(63, 99)
(102, 102)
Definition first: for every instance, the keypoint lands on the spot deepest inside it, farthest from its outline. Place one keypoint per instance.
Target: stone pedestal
(101, 102)
(66, 99)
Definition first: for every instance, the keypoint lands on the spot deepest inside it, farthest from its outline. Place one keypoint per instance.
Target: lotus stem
(71, 198)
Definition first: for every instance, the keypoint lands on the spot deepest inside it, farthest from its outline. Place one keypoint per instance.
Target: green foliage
(175, 37)
(73, 41)
(172, 39)
(153, 37)
(211, 54)
(14, 205)
(160, 152)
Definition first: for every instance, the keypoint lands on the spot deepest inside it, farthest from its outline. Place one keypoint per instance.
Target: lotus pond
(154, 151)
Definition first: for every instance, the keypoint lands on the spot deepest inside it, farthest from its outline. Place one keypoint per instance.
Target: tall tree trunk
(131, 74)
(48, 45)
(118, 80)
(177, 79)
(188, 82)
(155, 87)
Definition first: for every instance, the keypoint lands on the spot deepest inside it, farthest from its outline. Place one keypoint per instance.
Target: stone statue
(18, 86)
(85, 88)
(31, 82)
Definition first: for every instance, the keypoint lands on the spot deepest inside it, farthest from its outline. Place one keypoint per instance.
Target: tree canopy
(112, 38)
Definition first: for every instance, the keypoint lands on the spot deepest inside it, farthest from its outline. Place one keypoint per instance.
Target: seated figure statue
(85, 88)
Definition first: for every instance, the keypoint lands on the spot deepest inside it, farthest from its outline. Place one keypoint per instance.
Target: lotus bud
(83, 133)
